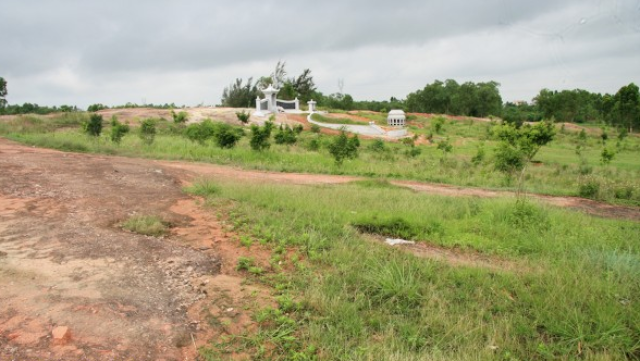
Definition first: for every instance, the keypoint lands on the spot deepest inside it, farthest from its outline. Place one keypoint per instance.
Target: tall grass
(573, 293)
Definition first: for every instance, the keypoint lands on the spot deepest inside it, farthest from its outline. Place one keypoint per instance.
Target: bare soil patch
(64, 265)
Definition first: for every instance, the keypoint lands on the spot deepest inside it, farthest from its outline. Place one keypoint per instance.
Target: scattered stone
(61, 335)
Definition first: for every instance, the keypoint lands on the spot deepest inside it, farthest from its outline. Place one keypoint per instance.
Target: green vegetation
(180, 117)
(322, 119)
(260, 136)
(94, 126)
(243, 116)
(148, 225)
(558, 168)
(147, 131)
(118, 130)
(344, 147)
(560, 285)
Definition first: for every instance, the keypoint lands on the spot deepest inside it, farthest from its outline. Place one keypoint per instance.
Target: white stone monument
(396, 118)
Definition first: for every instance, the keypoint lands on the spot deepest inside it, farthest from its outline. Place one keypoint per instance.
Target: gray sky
(82, 52)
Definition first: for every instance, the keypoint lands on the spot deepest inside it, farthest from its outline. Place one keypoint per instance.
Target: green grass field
(571, 291)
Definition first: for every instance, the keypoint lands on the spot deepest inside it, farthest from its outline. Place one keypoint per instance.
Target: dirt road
(74, 285)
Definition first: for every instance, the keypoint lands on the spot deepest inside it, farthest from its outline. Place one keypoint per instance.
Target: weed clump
(148, 225)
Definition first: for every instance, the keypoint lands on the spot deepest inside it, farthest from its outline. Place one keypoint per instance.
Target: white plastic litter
(397, 241)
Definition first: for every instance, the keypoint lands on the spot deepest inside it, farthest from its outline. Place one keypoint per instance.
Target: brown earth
(65, 264)
(73, 285)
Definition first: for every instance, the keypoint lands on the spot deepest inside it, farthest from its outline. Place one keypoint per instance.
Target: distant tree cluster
(449, 97)
(243, 95)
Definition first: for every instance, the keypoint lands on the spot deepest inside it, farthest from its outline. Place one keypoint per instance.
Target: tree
(344, 147)
(93, 127)
(285, 135)
(239, 95)
(260, 136)
(304, 86)
(3, 92)
(518, 146)
(626, 107)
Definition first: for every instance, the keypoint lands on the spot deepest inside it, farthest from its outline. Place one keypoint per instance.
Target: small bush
(413, 151)
(118, 130)
(437, 123)
(398, 227)
(589, 189)
(313, 145)
(315, 128)
(244, 263)
(607, 155)
(94, 126)
(260, 136)
(479, 156)
(344, 147)
(201, 132)
(179, 118)
(243, 116)
(285, 135)
(145, 224)
(148, 131)
(377, 146)
(226, 136)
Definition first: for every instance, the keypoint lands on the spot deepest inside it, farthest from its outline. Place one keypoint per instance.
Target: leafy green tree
(3, 92)
(260, 136)
(518, 146)
(344, 147)
(626, 107)
(147, 131)
(118, 130)
(96, 107)
(239, 95)
(93, 127)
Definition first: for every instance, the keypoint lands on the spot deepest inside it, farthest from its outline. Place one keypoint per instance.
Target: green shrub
(226, 136)
(313, 145)
(589, 189)
(285, 135)
(244, 263)
(437, 123)
(179, 118)
(243, 116)
(479, 156)
(260, 136)
(377, 146)
(315, 128)
(607, 155)
(94, 126)
(118, 130)
(148, 131)
(344, 147)
(200, 132)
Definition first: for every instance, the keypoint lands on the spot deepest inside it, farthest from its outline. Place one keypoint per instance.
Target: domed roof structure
(396, 117)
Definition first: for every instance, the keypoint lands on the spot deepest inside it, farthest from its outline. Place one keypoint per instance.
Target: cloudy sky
(85, 51)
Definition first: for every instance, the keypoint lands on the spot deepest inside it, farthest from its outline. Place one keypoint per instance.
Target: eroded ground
(73, 285)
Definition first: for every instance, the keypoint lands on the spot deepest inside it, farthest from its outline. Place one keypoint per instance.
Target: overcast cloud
(113, 52)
